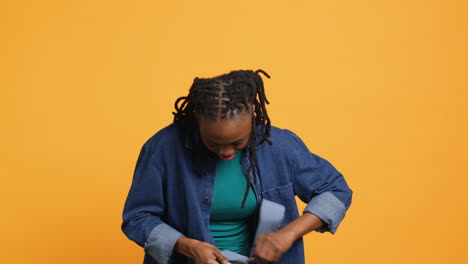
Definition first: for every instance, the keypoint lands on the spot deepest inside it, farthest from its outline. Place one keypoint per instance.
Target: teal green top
(229, 223)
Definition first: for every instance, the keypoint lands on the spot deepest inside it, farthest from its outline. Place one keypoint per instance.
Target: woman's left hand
(271, 246)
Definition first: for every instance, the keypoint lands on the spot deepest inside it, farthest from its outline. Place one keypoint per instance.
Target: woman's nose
(226, 151)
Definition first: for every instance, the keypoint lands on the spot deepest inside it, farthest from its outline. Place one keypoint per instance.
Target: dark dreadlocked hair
(220, 98)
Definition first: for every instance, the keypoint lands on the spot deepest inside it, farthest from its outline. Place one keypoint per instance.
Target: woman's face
(226, 137)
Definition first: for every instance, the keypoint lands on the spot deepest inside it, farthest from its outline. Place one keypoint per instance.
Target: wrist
(184, 246)
(289, 235)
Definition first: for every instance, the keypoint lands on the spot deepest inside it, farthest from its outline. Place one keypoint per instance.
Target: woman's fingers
(271, 246)
(220, 258)
(205, 253)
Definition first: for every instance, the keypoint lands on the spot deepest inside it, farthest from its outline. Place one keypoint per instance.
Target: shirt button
(205, 200)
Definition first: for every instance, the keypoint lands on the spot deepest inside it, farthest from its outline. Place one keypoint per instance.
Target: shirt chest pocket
(283, 194)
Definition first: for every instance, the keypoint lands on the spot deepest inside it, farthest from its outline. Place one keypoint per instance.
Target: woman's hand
(271, 246)
(200, 252)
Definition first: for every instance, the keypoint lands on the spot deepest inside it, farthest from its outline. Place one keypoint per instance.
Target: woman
(198, 182)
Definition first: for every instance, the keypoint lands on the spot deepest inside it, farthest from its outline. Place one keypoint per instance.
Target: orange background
(377, 87)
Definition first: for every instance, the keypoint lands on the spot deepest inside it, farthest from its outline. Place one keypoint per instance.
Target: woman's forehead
(225, 131)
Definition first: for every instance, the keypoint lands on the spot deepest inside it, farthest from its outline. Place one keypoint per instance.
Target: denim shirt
(173, 184)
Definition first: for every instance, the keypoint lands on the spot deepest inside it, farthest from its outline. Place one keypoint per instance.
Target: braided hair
(220, 98)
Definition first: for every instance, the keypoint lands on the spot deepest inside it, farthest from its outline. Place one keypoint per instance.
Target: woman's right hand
(200, 252)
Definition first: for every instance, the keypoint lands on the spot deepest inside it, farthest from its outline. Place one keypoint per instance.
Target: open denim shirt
(173, 186)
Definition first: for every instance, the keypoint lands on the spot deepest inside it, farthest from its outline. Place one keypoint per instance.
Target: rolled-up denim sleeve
(329, 209)
(320, 185)
(144, 209)
(160, 242)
